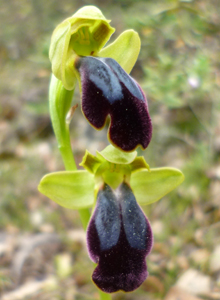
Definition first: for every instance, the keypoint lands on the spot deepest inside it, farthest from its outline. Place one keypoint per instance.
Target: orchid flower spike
(113, 183)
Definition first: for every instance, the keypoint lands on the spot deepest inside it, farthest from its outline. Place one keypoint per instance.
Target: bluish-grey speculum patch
(103, 77)
(108, 217)
(124, 78)
(108, 90)
(134, 221)
(119, 238)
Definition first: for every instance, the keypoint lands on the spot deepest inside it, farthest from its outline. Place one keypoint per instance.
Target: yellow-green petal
(115, 156)
(90, 162)
(151, 186)
(59, 52)
(139, 163)
(73, 190)
(125, 49)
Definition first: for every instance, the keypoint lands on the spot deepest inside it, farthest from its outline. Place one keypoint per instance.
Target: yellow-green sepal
(149, 187)
(115, 156)
(61, 56)
(90, 162)
(139, 163)
(83, 34)
(113, 166)
(73, 190)
(125, 49)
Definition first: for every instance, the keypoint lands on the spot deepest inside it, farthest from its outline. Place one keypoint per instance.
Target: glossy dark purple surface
(119, 238)
(108, 90)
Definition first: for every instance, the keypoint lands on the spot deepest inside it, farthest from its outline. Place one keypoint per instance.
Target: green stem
(84, 217)
(60, 101)
(67, 156)
(104, 296)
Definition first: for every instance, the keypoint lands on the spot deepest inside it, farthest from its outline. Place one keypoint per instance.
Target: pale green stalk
(104, 296)
(60, 102)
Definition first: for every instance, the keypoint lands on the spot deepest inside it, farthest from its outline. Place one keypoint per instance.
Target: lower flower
(119, 238)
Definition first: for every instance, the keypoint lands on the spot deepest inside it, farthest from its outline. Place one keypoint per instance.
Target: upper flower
(85, 34)
(77, 53)
(108, 90)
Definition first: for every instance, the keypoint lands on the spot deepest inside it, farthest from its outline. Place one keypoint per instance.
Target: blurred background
(42, 246)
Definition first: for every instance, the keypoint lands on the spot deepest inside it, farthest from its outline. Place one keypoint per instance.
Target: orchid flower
(119, 236)
(77, 54)
(119, 239)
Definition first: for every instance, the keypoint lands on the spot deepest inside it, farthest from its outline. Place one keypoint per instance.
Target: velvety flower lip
(119, 238)
(108, 90)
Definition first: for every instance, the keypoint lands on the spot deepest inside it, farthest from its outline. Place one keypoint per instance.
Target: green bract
(85, 34)
(75, 190)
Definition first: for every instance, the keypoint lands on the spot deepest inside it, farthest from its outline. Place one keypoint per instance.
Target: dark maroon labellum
(108, 90)
(119, 238)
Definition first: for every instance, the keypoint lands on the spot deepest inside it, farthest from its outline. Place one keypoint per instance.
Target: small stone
(31, 288)
(153, 284)
(215, 192)
(182, 262)
(200, 256)
(47, 228)
(194, 282)
(32, 252)
(213, 296)
(64, 265)
(176, 293)
(157, 227)
(218, 282)
(194, 82)
(208, 234)
(36, 218)
(77, 235)
(215, 260)
(214, 173)
(7, 245)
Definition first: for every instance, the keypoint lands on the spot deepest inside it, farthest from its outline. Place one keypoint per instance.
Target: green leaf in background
(125, 49)
(151, 186)
(73, 190)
